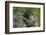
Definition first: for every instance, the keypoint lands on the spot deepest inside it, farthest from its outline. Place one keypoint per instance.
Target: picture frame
(9, 8)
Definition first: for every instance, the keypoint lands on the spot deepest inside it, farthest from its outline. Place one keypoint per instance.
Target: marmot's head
(29, 15)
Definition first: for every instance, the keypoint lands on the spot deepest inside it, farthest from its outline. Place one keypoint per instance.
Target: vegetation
(23, 10)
